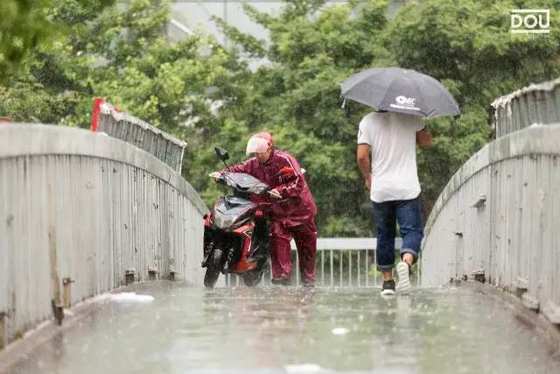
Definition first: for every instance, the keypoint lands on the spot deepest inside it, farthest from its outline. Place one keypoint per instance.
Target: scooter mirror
(221, 153)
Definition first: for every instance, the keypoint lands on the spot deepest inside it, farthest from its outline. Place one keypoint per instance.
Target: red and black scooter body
(236, 231)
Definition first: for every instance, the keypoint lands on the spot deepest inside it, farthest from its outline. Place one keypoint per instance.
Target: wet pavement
(293, 330)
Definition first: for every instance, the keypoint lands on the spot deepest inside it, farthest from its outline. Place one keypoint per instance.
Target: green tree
(206, 95)
(468, 46)
(25, 24)
(296, 96)
(313, 47)
(120, 53)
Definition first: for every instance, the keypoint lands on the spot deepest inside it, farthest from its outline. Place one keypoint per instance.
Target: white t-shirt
(392, 140)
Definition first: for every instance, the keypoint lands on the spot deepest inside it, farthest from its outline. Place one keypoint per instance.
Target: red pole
(95, 111)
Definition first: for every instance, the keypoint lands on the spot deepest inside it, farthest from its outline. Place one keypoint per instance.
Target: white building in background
(189, 16)
(196, 16)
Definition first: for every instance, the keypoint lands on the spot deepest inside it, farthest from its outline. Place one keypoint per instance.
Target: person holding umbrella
(390, 134)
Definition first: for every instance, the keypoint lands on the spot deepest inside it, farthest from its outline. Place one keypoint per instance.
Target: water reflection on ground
(296, 330)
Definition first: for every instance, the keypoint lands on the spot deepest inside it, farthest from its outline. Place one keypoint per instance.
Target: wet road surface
(294, 330)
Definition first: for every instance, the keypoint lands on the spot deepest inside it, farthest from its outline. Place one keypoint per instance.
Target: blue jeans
(408, 214)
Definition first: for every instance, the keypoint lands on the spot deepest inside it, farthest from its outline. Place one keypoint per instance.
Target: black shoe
(308, 284)
(280, 281)
(388, 288)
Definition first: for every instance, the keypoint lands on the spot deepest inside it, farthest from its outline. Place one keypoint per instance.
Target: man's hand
(424, 138)
(215, 175)
(367, 182)
(275, 194)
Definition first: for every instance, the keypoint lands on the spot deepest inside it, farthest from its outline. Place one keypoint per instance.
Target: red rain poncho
(291, 216)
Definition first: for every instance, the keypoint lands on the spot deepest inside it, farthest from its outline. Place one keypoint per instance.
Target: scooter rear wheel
(213, 268)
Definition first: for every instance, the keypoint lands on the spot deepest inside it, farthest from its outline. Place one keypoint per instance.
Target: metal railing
(106, 119)
(536, 104)
(340, 262)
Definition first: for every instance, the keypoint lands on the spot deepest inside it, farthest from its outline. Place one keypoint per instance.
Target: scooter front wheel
(253, 277)
(214, 265)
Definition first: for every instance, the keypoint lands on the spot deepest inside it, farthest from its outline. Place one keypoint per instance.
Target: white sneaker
(403, 271)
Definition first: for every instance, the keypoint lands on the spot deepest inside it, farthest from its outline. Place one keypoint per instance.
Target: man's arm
(362, 157)
(424, 138)
(244, 167)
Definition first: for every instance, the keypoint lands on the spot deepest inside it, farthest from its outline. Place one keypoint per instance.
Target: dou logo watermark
(530, 21)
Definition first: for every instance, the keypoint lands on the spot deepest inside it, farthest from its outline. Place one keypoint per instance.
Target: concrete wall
(497, 220)
(83, 207)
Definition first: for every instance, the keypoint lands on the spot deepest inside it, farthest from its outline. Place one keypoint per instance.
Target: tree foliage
(29, 23)
(120, 53)
(313, 47)
(207, 95)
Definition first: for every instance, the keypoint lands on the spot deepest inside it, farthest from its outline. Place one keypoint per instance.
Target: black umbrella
(400, 90)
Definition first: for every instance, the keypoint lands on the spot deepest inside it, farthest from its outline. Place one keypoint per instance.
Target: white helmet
(257, 144)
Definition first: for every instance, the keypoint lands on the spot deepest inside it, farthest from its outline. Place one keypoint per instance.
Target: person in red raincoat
(293, 210)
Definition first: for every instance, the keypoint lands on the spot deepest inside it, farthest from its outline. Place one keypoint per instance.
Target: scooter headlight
(223, 221)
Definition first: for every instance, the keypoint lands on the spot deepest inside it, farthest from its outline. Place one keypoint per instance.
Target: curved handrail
(38, 139)
(532, 140)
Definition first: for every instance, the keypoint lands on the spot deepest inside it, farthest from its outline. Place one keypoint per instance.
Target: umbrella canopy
(400, 90)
